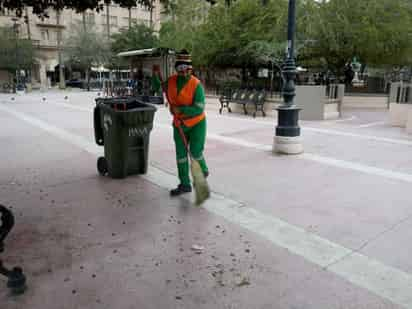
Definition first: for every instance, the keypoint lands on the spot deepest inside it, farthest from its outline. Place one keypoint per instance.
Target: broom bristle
(199, 182)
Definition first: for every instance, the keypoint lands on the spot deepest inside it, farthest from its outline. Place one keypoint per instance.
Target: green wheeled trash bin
(123, 127)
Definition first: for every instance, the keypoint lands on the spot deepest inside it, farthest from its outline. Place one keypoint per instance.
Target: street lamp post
(17, 68)
(287, 139)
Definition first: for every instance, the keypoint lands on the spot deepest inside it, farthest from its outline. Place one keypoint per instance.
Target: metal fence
(400, 93)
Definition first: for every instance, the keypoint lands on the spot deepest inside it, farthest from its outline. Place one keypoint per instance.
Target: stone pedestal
(287, 139)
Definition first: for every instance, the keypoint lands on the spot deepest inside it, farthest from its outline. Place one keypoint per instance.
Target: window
(90, 18)
(104, 21)
(113, 21)
(45, 35)
(144, 8)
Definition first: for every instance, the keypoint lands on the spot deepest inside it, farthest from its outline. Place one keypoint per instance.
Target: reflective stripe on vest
(183, 98)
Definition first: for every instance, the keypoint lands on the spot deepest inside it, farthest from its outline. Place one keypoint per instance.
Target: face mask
(183, 67)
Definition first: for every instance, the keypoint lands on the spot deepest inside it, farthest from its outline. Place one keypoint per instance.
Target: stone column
(43, 76)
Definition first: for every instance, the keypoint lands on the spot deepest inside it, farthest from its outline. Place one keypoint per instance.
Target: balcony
(44, 44)
(48, 24)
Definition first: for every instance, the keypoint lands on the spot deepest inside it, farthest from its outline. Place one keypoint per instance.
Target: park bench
(243, 97)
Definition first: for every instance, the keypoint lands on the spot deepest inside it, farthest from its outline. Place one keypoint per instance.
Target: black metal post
(16, 72)
(287, 138)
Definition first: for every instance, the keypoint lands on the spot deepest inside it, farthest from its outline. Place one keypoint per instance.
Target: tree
(228, 34)
(139, 36)
(107, 4)
(15, 54)
(40, 6)
(85, 49)
(376, 32)
(129, 4)
(181, 31)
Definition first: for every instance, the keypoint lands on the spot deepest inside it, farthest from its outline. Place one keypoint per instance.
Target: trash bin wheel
(102, 166)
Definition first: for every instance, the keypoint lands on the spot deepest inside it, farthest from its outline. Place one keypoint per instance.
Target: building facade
(48, 33)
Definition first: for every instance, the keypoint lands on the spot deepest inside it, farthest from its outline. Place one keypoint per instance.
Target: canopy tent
(145, 59)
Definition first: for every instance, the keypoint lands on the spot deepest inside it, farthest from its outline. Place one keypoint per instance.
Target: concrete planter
(409, 122)
(316, 104)
(399, 114)
(331, 111)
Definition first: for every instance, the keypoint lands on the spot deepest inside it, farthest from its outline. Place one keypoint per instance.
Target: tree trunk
(151, 13)
(62, 84)
(28, 24)
(88, 79)
(84, 21)
(130, 18)
(108, 20)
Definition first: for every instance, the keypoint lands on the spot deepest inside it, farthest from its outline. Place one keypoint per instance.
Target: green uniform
(196, 135)
(156, 84)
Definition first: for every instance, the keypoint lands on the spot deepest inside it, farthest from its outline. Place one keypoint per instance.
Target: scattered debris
(198, 249)
(179, 297)
(245, 281)
(247, 250)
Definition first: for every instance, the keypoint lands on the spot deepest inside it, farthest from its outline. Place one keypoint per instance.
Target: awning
(100, 69)
(146, 52)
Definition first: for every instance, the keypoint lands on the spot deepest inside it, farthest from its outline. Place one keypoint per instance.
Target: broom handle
(182, 135)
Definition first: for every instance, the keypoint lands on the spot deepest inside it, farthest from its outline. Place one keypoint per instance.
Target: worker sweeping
(186, 97)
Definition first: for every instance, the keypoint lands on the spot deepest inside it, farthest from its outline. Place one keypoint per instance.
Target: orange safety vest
(184, 98)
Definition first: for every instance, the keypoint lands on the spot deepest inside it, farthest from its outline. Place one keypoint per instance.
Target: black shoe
(181, 189)
(206, 174)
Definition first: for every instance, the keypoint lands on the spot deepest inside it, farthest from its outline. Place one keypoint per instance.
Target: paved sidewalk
(328, 229)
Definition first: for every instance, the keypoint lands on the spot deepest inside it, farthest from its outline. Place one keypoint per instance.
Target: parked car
(75, 83)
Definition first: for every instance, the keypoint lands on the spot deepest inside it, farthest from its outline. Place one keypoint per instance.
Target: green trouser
(196, 137)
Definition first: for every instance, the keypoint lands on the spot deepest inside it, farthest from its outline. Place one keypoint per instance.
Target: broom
(200, 184)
